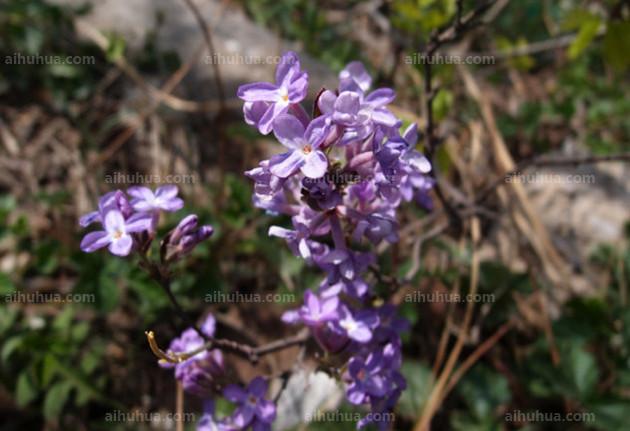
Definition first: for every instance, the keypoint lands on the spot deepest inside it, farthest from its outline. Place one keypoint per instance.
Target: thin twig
(437, 40)
(435, 397)
(179, 406)
(474, 357)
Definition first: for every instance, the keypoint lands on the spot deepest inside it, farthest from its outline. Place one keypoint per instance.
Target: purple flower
(165, 199)
(303, 145)
(252, 408)
(359, 115)
(355, 78)
(320, 194)
(117, 234)
(315, 311)
(266, 101)
(366, 379)
(346, 266)
(296, 239)
(390, 324)
(198, 373)
(357, 326)
(116, 200)
(399, 152)
(376, 227)
(186, 235)
(346, 173)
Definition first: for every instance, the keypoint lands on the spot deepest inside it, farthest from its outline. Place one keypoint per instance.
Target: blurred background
(532, 112)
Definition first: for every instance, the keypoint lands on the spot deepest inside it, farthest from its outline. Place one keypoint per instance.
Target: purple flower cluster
(203, 375)
(341, 180)
(200, 372)
(252, 411)
(129, 221)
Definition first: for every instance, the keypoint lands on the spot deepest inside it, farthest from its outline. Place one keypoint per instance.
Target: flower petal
(253, 112)
(140, 192)
(257, 387)
(385, 117)
(258, 92)
(266, 411)
(355, 77)
(94, 240)
(298, 89)
(289, 131)
(347, 107)
(317, 131)
(243, 416)
(315, 164)
(89, 218)
(286, 164)
(139, 222)
(265, 125)
(326, 102)
(381, 97)
(411, 134)
(234, 393)
(166, 192)
(209, 326)
(418, 161)
(361, 334)
(171, 205)
(121, 246)
(114, 221)
(288, 65)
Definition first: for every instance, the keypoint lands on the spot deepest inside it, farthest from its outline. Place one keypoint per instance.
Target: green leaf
(609, 415)
(583, 370)
(25, 390)
(49, 369)
(108, 291)
(419, 383)
(63, 321)
(6, 285)
(91, 359)
(586, 34)
(484, 391)
(83, 396)
(80, 331)
(56, 398)
(10, 346)
(7, 319)
(116, 48)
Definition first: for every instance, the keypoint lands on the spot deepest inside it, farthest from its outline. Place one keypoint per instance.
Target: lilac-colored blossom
(252, 407)
(303, 144)
(117, 233)
(164, 199)
(197, 373)
(266, 101)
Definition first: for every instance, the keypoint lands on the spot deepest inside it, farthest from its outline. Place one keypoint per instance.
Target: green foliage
(484, 391)
(42, 377)
(587, 24)
(419, 384)
(422, 16)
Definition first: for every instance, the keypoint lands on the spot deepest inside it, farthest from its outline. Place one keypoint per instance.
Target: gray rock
(245, 51)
